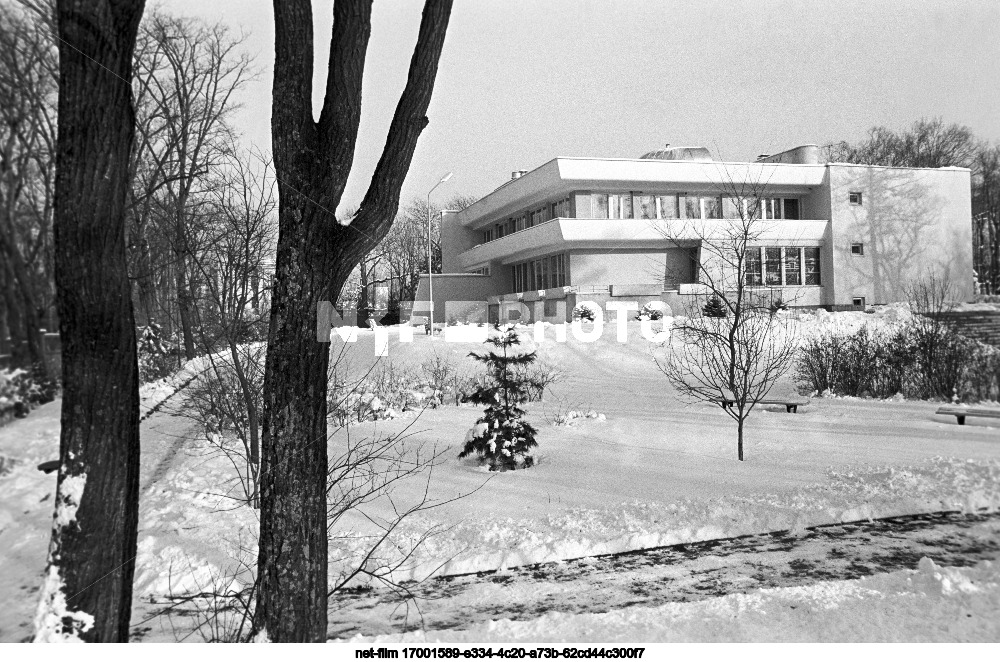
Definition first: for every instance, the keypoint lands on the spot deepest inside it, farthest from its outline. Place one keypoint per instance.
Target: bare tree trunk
(315, 257)
(739, 437)
(146, 288)
(253, 421)
(185, 308)
(27, 307)
(364, 305)
(88, 587)
(19, 356)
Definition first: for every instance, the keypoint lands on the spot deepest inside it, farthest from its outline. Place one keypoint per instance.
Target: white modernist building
(831, 234)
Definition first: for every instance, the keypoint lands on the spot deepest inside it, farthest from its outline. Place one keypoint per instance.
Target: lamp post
(430, 274)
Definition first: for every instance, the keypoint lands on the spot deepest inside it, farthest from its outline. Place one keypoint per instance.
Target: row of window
(528, 219)
(540, 274)
(638, 205)
(789, 265)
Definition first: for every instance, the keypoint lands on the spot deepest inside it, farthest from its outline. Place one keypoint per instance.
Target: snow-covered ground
(654, 471)
(927, 604)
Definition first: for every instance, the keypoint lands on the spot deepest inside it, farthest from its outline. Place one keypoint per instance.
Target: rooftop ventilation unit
(668, 153)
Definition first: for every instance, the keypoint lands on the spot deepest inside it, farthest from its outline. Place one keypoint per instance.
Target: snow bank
(942, 484)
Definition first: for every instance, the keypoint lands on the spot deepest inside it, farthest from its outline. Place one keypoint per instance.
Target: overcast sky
(521, 82)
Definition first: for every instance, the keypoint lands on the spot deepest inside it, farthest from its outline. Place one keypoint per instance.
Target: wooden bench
(961, 412)
(791, 404)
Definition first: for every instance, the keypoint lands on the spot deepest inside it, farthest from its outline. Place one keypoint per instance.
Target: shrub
(647, 312)
(714, 308)
(918, 360)
(865, 363)
(982, 375)
(384, 391)
(20, 392)
(439, 373)
(538, 377)
(777, 305)
(819, 363)
(584, 313)
(941, 355)
(157, 355)
(14, 398)
(501, 437)
(226, 400)
(466, 384)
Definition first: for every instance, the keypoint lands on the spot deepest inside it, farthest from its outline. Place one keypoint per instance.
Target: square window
(854, 197)
(645, 206)
(712, 207)
(857, 249)
(792, 209)
(858, 302)
(732, 207)
(666, 206)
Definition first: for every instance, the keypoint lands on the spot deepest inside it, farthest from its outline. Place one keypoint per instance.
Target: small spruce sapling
(501, 437)
(714, 308)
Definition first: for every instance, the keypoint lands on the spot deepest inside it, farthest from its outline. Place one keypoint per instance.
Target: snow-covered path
(680, 573)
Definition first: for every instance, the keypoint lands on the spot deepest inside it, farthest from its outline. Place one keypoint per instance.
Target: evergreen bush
(157, 355)
(714, 308)
(501, 437)
(647, 312)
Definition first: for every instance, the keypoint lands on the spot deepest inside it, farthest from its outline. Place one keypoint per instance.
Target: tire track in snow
(679, 573)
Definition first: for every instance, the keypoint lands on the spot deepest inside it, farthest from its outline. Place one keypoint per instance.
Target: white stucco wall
(912, 222)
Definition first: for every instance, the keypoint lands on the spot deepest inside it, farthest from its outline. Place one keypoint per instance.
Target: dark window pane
(792, 209)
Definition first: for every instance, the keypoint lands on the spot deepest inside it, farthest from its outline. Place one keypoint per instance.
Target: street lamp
(430, 275)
